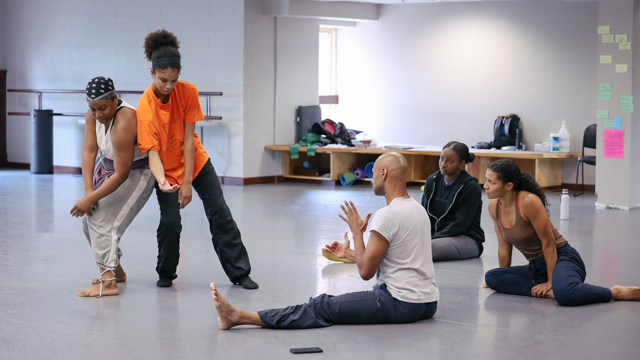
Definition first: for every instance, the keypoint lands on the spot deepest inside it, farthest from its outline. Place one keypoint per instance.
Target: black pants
(224, 231)
(363, 307)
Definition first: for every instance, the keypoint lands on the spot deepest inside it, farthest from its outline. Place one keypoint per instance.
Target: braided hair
(461, 150)
(509, 172)
(161, 48)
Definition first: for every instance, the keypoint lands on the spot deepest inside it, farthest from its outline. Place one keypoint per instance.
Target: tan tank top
(523, 236)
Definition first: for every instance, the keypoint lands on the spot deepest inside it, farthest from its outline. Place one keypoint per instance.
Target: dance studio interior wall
(430, 73)
(53, 44)
(3, 62)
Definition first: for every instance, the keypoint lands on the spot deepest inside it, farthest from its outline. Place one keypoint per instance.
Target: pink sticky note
(613, 143)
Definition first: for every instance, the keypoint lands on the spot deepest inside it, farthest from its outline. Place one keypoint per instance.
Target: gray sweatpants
(114, 214)
(454, 248)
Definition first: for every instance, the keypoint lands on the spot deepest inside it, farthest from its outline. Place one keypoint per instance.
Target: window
(327, 73)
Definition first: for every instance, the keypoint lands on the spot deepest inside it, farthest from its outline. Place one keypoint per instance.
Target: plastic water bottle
(564, 139)
(564, 205)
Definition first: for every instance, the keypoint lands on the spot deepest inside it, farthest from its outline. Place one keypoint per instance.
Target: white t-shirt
(407, 266)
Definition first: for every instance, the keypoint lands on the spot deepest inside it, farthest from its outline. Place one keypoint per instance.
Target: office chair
(588, 141)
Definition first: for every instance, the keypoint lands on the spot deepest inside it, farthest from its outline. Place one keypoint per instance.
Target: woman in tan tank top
(520, 215)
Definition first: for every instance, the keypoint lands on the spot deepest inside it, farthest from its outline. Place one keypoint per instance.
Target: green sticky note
(626, 99)
(605, 87)
(621, 38)
(626, 107)
(624, 46)
(606, 59)
(621, 68)
(608, 38)
(608, 124)
(603, 30)
(605, 95)
(603, 114)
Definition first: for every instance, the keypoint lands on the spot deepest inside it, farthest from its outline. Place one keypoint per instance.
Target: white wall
(3, 22)
(61, 45)
(431, 73)
(259, 91)
(296, 72)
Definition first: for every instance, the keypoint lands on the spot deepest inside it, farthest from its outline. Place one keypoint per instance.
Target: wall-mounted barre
(208, 95)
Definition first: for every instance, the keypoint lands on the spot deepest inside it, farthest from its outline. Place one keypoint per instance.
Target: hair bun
(159, 39)
(471, 157)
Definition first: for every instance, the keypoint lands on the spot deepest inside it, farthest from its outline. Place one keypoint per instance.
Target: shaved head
(395, 163)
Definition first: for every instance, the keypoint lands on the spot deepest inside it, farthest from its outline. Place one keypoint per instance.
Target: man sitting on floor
(398, 251)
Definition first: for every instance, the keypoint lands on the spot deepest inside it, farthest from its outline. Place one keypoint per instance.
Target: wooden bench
(545, 167)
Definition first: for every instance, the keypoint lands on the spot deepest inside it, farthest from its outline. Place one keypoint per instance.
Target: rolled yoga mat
(359, 173)
(347, 179)
(321, 169)
(369, 170)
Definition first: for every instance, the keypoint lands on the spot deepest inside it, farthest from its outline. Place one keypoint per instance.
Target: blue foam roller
(369, 170)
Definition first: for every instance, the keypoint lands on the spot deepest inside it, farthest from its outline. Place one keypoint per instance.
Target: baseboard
(228, 180)
(56, 168)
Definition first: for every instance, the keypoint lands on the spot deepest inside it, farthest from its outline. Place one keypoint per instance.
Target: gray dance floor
(45, 260)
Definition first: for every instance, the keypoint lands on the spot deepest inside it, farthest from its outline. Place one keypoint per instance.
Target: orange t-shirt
(161, 128)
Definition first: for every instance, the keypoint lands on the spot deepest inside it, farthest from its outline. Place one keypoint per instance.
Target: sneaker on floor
(247, 283)
(164, 283)
(326, 253)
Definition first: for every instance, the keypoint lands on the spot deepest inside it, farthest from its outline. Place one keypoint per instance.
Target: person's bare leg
(109, 287)
(121, 276)
(229, 315)
(625, 293)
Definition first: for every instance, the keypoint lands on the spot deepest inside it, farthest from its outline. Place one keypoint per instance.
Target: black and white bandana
(100, 88)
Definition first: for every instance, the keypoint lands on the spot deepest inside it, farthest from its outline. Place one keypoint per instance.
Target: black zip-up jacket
(463, 214)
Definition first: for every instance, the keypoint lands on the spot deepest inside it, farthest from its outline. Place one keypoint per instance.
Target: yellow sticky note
(624, 46)
(621, 38)
(603, 30)
(608, 38)
(621, 68)
(606, 59)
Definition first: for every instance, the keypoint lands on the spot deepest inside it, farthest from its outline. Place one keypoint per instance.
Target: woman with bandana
(167, 113)
(116, 186)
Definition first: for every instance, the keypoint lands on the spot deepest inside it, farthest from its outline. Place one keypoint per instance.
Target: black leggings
(225, 235)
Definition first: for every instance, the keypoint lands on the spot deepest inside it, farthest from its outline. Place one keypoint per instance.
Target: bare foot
(108, 288)
(121, 276)
(550, 295)
(625, 293)
(227, 314)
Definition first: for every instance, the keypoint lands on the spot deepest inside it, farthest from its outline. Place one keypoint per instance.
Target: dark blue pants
(225, 235)
(568, 278)
(365, 307)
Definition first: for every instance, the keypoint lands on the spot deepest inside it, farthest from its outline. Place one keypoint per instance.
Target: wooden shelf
(545, 167)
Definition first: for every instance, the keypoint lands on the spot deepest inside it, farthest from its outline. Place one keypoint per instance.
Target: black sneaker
(247, 283)
(164, 283)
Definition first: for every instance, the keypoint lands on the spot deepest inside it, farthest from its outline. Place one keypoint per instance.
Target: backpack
(504, 130)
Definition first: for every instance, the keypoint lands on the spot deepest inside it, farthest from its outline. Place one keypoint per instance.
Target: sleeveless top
(523, 236)
(104, 139)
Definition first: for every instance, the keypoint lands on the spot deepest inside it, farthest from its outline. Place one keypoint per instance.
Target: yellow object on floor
(326, 253)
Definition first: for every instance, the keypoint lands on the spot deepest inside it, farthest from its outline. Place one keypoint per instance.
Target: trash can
(41, 141)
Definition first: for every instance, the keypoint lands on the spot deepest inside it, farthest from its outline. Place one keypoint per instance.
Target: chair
(588, 141)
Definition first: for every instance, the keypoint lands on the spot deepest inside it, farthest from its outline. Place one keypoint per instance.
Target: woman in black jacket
(453, 202)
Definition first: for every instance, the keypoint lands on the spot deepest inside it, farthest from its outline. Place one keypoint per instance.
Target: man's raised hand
(353, 219)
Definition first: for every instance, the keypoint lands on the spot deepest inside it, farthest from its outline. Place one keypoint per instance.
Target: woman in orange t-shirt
(167, 113)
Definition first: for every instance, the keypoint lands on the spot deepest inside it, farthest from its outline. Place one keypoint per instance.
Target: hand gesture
(337, 249)
(356, 224)
(166, 187)
(184, 196)
(82, 207)
(541, 290)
